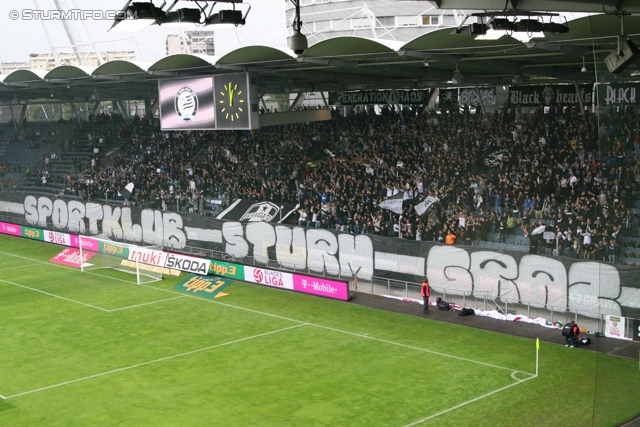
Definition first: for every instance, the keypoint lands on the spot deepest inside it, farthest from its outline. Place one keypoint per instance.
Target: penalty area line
(145, 303)
(453, 408)
(162, 359)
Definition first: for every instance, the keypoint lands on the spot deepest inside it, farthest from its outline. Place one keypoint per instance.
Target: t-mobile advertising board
(11, 229)
(298, 282)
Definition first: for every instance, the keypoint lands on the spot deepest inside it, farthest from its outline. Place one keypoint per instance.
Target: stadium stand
(565, 186)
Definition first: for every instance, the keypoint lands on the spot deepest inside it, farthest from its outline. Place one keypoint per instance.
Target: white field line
(126, 368)
(475, 399)
(89, 305)
(312, 324)
(14, 268)
(53, 295)
(75, 269)
(146, 303)
(367, 336)
(51, 264)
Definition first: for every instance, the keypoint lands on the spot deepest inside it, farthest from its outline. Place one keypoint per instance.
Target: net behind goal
(98, 253)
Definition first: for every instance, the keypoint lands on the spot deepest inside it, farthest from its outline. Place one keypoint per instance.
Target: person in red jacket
(425, 292)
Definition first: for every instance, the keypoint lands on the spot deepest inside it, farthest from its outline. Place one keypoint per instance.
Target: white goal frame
(145, 273)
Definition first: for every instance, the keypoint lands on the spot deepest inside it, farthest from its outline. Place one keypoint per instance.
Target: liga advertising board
(263, 276)
(298, 282)
(57, 237)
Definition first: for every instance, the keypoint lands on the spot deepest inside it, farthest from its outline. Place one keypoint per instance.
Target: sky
(25, 34)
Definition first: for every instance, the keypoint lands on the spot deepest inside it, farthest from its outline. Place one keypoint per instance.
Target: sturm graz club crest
(186, 104)
(264, 211)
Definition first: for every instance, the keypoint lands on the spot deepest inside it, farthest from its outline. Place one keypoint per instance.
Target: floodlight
(232, 17)
(136, 17)
(182, 16)
(584, 66)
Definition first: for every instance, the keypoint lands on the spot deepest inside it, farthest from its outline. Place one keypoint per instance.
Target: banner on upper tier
(250, 211)
(618, 93)
(469, 96)
(389, 97)
(551, 95)
(541, 281)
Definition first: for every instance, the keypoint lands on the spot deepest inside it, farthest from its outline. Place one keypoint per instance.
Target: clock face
(232, 101)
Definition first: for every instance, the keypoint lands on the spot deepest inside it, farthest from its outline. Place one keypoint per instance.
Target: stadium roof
(353, 63)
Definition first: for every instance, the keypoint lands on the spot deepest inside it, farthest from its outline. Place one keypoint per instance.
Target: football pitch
(94, 349)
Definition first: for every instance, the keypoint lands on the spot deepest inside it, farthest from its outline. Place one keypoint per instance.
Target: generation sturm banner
(550, 95)
(381, 97)
(542, 281)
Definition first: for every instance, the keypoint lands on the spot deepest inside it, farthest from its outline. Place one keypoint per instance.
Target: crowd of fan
(561, 168)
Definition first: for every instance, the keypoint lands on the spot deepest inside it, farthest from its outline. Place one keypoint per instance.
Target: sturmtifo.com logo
(186, 104)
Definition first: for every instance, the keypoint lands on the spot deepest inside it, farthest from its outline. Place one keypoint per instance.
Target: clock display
(232, 101)
(231, 110)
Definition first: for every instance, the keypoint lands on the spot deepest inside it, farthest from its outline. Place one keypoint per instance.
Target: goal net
(101, 252)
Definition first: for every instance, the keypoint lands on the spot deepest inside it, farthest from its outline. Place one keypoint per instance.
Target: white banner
(262, 276)
(615, 327)
(468, 96)
(394, 205)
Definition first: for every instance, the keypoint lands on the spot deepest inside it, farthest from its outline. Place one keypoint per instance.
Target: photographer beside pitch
(571, 334)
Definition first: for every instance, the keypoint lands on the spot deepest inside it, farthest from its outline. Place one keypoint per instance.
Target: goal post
(101, 253)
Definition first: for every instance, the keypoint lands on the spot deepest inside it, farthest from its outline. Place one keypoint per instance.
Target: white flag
(425, 205)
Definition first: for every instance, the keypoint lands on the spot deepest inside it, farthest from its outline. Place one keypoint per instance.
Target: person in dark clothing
(574, 336)
(425, 291)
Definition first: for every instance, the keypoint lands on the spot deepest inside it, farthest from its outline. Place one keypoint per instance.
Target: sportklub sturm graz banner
(588, 287)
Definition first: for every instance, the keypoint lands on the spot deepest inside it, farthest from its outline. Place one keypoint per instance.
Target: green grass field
(90, 349)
